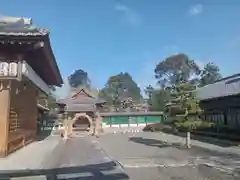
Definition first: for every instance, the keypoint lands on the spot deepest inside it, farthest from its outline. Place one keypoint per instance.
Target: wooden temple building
(27, 68)
(83, 108)
(221, 102)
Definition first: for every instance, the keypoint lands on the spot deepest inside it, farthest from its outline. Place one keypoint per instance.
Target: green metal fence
(131, 119)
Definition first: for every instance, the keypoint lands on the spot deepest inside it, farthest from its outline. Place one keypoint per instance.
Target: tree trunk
(188, 140)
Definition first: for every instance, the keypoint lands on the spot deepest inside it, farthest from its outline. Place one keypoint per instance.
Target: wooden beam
(4, 116)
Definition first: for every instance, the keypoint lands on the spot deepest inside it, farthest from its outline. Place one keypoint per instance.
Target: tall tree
(159, 99)
(52, 102)
(175, 69)
(209, 74)
(79, 78)
(119, 88)
(149, 92)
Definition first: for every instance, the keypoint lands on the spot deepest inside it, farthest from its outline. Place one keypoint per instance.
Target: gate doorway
(82, 123)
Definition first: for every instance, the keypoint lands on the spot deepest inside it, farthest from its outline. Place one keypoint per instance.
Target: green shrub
(191, 125)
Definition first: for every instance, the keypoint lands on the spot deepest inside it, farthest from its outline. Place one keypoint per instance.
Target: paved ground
(83, 158)
(32, 156)
(178, 173)
(139, 156)
(79, 158)
(149, 156)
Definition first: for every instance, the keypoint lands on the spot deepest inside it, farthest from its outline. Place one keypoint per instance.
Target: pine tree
(184, 111)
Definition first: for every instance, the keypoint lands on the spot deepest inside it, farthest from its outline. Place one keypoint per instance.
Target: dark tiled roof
(81, 101)
(81, 96)
(225, 87)
(80, 107)
(19, 26)
(229, 77)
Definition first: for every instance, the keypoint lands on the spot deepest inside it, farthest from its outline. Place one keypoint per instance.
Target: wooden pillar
(4, 116)
(33, 110)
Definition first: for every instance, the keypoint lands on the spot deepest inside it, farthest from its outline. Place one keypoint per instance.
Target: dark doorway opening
(81, 124)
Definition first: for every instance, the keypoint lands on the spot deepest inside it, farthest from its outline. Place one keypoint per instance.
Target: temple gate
(82, 106)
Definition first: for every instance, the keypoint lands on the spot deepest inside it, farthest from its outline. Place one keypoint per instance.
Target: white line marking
(153, 165)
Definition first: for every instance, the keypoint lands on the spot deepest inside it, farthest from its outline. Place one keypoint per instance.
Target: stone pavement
(159, 154)
(175, 139)
(223, 158)
(178, 173)
(84, 158)
(143, 156)
(32, 156)
(80, 152)
(75, 158)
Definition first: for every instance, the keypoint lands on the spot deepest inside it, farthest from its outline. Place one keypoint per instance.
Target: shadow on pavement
(43, 135)
(206, 139)
(44, 129)
(89, 172)
(155, 143)
(194, 150)
(211, 139)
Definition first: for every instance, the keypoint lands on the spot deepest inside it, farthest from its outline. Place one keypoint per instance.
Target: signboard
(10, 70)
(47, 125)
(15, 70)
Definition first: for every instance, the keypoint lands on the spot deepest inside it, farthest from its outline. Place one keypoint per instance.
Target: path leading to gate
(83, 158)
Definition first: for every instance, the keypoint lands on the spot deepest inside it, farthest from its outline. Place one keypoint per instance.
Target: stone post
(66, 126)
(70, 126)
(91, 130)
(65, 136)
(98, 120)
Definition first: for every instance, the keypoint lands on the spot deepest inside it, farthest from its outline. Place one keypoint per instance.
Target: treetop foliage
(178, 77)
(121, 88)
(79, 79)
